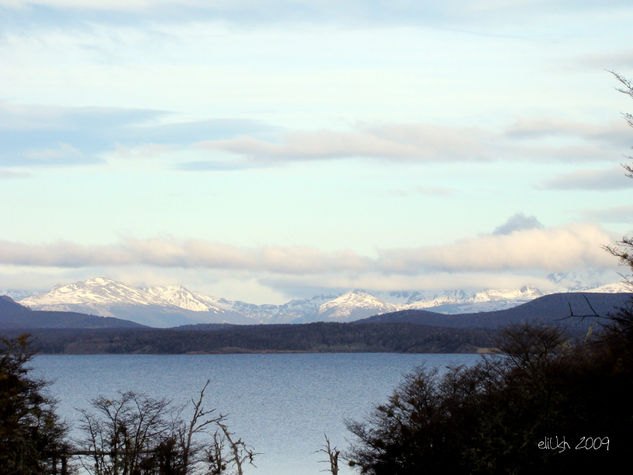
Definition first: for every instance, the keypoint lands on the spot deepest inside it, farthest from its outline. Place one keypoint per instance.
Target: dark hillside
(16, 316)
(551, 309)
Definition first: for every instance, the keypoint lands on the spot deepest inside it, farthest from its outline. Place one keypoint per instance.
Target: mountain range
(168, 306)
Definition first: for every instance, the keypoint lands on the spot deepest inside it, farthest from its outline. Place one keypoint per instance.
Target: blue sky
(269, 150)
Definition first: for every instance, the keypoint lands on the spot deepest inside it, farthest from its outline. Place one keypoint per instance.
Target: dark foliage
(490, 418)
(31, 437)
(312, 337)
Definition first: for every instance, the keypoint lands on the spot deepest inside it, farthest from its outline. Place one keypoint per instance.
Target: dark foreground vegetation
(126, 434)
(543, 407)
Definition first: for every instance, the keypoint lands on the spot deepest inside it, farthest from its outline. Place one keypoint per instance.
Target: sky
(264, 151)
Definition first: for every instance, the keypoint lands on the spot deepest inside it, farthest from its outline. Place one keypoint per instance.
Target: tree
(31, 436)
(507, 414)
(124, 434)
(134, 434)
(333, 456)
(623, 250)
(227, 451)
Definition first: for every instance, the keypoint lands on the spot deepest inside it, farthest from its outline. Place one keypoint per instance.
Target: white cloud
(600, 180)
(183, 254)
(543, 127)
(423, 142)
(534, 140)
(556, 249)
(616, 214)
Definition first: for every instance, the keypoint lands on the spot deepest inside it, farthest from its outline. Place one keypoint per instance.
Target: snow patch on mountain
(353, 305)
(616, 288)
(173, 303)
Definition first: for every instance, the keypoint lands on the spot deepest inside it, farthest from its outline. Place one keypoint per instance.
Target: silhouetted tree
(333, 456)
(507, 414)
(133, 434)
(623, 250)
(226, 451)
(31, 436)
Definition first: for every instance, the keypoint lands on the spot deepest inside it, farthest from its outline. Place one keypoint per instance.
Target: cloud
(611, 61)
(20, 117)
(555, 249)
(423, 190)
(535, 140)
(310, 285)
(351, 12)
(13, 174)
(614, 132)
(35, 136)
(518, 222)
(597, 180)
(397, 142)
(60, 153)
(184, 254)
(616, 214)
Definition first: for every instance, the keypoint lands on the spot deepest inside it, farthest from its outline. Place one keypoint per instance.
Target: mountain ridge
(173, 305)
(572, 310)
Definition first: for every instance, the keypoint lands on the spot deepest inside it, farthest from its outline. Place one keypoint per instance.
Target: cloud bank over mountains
(520, 245)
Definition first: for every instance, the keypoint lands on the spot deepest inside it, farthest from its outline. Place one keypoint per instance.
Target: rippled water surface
(281, 404)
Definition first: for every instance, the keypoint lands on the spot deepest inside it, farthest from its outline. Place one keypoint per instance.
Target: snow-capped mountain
(616, 288)
(352, 306)
(461, 301)
(163, 306)
(156, 306)
(166, 305)
(99, 293)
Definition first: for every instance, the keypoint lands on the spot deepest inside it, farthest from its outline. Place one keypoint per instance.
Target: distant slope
(550, 309)
(310, 337)
(16, 316)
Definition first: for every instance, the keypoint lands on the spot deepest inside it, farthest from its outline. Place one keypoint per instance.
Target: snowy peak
(491, 295)
(89, 292)
(459, 301)
(180, 297)
(171, 305)
(353, 305)
(100, 291)
(617, 288)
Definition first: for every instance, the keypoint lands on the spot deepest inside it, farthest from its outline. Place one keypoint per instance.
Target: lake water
(280, 404)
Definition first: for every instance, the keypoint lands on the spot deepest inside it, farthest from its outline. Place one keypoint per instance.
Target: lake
(280, 404)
